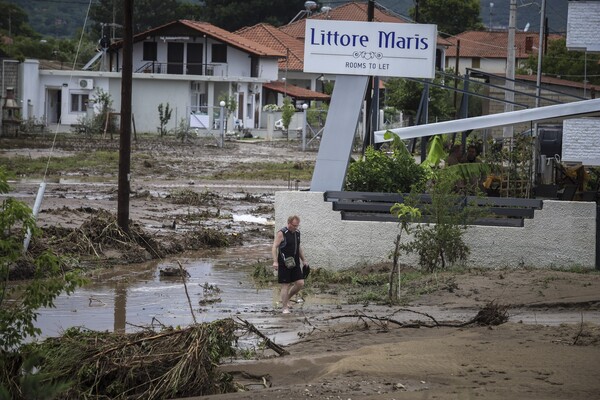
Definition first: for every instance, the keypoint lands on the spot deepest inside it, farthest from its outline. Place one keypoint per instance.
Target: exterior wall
(561, 235)
(490, 65)
(67, 82)
(149, 90)
(238, 62)
(29, 72)
(268, 68)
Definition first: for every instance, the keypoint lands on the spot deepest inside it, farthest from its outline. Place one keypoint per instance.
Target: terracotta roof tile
(186, 27)
(233, 39)
(296, 92)
(493, 44)
(268, 35)
(346, 12)
(350, 12)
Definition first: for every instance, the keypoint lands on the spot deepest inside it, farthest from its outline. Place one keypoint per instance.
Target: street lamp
(304, 108)
(222, 123)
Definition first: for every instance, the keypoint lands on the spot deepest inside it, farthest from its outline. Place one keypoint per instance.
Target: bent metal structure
(578, 108)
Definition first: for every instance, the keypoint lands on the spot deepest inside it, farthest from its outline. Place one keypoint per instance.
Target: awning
(296, 92)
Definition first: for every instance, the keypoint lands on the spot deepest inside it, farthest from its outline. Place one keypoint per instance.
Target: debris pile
(173, 363)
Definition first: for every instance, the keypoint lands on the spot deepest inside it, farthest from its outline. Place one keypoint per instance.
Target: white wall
(581, 141)
(238, 62)
(68, 83)
(29, 71)
(562, 234)
(268, 68)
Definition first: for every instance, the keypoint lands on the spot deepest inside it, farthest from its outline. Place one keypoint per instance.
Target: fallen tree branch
(578, 333)
(490, 314)
(268, 342)
(181, 271)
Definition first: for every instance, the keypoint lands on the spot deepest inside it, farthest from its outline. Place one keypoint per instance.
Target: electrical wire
(70, 80)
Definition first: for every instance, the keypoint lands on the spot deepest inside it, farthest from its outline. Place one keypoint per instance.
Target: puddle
(127, 297)
(252, 219)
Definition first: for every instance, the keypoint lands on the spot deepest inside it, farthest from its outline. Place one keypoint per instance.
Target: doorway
(175, 58)
(53, 107)
(194, 58)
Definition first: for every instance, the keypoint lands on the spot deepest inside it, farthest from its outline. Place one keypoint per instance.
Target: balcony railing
(154, 67)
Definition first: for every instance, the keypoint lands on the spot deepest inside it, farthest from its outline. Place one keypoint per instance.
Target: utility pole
(509, 94)
(368, 127)
(125, 136)
(538, 82)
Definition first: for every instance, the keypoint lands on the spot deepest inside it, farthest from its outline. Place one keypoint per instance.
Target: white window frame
(81, 103)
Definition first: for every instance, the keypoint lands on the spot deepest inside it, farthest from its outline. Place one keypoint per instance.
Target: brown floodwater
(125, 298)
(131, 297)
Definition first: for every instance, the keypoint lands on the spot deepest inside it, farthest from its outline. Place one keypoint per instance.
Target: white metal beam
(577, 108)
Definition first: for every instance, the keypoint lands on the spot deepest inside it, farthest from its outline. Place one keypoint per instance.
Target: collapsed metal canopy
(577, 108)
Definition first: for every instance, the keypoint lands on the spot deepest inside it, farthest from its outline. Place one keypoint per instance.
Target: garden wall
(562, 234)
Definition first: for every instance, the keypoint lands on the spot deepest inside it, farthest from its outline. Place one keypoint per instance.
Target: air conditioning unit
(86, 84)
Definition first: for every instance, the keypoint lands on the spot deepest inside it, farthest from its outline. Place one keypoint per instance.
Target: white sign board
(583, 20)
(581, 141)
(199, 121)
(370, 48)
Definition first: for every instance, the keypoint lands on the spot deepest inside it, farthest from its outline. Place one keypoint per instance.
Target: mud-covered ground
(548, 349)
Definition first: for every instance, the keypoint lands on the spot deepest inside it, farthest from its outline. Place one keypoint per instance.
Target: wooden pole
(125, 137)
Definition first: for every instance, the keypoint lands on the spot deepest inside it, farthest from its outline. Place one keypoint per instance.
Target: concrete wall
(562, 235)
(581, 141)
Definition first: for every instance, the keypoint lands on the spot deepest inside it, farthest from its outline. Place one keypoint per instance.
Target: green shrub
(19, 302)
(380, 172)
(439, 242)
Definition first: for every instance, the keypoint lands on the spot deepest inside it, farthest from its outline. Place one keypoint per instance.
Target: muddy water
(128, 297)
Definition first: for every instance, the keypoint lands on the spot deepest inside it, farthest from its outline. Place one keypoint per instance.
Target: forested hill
(63, 18)
(55, 18)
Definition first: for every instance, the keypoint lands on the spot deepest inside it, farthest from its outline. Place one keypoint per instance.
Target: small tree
(230, 106)
(19, 303)
(99, 122)
(164, 116)
(287, 112)
(317, 116)
(440, 241)
(405, 214)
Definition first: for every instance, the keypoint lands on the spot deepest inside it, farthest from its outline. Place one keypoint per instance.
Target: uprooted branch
(490, 315)
(268, 342)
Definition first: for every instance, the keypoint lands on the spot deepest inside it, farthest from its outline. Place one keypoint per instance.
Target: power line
(62, 1)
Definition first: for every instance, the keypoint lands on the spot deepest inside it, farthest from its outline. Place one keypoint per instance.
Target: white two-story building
(190, 65)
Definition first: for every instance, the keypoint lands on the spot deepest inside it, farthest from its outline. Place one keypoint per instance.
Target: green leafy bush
(396, 172)
(287, 112)
(19, 302)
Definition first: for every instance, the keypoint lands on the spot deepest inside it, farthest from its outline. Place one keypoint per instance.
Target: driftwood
(490, 315)
(268, 342)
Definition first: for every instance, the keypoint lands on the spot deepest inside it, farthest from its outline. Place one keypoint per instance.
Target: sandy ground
(549, 348)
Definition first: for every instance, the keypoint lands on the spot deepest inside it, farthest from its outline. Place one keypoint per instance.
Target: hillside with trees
(57, 19)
